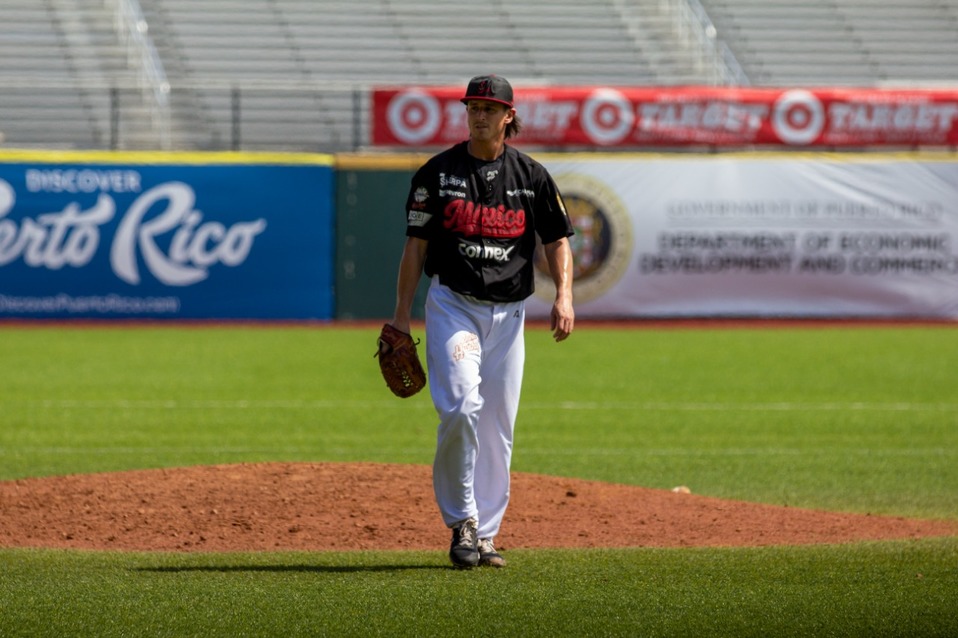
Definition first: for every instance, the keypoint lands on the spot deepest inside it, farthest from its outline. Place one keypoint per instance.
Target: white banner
(791, 236)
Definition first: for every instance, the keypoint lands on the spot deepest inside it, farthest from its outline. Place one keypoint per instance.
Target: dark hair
(514, 127)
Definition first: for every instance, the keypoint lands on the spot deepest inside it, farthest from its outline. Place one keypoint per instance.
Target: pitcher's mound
(351, 506)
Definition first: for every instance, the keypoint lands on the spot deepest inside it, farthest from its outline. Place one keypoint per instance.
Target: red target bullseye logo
(798, 117)
(414, 117)
(607, 117)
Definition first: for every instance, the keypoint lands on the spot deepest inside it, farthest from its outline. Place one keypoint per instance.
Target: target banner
(615, 117)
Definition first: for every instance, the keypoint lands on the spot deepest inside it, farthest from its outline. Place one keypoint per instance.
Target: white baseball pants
(475, 352)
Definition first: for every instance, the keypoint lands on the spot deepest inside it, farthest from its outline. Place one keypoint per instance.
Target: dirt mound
(351, 506)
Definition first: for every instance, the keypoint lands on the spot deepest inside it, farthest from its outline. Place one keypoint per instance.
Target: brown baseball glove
(399, 362)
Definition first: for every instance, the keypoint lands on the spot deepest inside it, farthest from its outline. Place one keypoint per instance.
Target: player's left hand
(563, 319)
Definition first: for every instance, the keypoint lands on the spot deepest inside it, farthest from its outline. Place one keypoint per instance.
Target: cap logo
(489, 87)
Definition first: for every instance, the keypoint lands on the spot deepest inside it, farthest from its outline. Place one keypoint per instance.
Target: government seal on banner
(602, 242)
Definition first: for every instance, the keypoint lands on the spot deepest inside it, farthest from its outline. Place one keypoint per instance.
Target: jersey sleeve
(420, 204)
(552, 220)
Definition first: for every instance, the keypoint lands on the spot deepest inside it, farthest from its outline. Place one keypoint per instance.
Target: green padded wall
(371, 224)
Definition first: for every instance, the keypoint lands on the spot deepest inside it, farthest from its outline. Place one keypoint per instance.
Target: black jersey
(481, 220)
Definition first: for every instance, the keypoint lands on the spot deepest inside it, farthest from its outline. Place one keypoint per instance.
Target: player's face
(487, 120)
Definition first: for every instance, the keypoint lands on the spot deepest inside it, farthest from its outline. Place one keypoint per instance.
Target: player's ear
(510, 115)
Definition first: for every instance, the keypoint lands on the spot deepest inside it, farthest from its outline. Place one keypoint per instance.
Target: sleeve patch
(417, 218)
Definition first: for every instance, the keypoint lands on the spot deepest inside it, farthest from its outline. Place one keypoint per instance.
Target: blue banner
(206, 238)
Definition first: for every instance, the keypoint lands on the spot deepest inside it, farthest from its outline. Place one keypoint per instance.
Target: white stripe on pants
(475, 352)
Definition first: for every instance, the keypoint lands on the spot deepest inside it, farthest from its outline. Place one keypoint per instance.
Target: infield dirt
(357, 506)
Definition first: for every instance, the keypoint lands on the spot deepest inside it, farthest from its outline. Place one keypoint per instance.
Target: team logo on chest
(486, 253)
(469, 218)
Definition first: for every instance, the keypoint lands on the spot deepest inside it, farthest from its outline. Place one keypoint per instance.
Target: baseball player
(473, 214)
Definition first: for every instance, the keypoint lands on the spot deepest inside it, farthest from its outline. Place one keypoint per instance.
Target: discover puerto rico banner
(192, 236)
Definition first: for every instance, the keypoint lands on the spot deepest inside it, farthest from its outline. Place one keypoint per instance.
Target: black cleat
(488, 556)
(464, 551)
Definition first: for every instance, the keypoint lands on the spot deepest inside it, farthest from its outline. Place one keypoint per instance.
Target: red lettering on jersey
(469, 218)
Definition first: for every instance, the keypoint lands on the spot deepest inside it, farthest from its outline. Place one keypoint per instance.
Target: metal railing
(696, 30)
(244, 115)
(133, 32)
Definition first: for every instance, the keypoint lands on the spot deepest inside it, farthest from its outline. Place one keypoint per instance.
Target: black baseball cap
(489, 87)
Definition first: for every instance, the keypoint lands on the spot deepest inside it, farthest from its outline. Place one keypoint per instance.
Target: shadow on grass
(321, 569)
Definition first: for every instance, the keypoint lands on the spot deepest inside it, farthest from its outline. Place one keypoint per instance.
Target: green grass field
(847, 419)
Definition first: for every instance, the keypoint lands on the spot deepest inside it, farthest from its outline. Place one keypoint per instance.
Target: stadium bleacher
(841, 42)
(278, 53)
(34, 46)
(292, 74)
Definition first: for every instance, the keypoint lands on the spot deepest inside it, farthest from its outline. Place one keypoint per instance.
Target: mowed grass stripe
(561, 405)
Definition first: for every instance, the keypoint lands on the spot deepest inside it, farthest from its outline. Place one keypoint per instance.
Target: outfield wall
(285, 236)
(370, 228)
